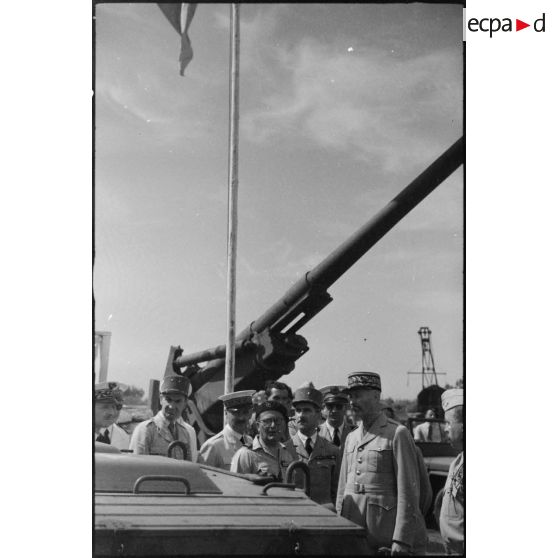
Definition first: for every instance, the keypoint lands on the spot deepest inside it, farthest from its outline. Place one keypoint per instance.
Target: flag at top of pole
(180, 17)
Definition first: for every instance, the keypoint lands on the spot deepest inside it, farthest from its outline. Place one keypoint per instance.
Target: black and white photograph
(255, 255)
(278, 279)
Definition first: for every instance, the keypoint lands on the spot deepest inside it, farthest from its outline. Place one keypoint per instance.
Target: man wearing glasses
(335, 427)
(267, 456)
(218, 451)
(452, 514)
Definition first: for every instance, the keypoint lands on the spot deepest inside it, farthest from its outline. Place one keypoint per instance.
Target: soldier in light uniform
(426, 494)
(193, 437)
(153, 436)
(452, 512)
(379, 484)
(335, 428)
(218, 451)
(267, 456)
(322, 457)
(108, 402)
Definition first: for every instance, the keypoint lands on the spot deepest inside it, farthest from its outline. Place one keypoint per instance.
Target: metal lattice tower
(429, 375)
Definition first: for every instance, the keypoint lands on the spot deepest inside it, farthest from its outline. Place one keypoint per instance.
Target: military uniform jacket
(425, 499)
(324, 463)
(451, 513)
(218, 451)
(256, 459)
(379, 484)
(193, 438)
(152, 437)
(343, 433)
(119, 438)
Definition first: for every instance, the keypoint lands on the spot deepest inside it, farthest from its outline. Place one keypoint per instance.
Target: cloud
(447, 301)
(366, 102)
(280, 260)
(145, 100)
(137, 81)
(257, 30)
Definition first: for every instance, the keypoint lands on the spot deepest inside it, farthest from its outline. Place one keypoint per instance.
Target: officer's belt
(360, 488)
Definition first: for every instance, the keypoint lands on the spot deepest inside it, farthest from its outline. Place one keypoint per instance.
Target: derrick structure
(429, 377)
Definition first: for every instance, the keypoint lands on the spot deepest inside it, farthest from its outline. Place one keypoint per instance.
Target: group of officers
(372, 473)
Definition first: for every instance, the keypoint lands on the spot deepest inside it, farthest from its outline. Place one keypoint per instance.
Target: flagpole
(233, 197)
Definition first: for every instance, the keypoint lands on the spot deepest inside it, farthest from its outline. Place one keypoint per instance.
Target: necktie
(242, 440)
(336, 439)
(308, 446)
(104, 437)
(429, 438)
(172, 430)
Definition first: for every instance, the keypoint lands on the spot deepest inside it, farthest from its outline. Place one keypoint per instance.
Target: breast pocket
(379, 460)
(349, 456)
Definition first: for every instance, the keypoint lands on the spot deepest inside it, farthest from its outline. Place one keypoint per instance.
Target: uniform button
(359, 449)
(359, 460)
(358, 472)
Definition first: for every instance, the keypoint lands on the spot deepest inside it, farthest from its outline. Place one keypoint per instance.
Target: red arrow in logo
(519, 25)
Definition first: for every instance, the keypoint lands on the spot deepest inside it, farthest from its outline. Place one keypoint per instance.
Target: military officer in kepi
(335, 428)
(322, 457)
(153, 436)
(452, 512)
(266, 456)
(108, 402)
(218, 451)
(379, 482)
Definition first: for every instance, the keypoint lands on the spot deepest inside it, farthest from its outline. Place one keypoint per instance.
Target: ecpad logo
(494, 24)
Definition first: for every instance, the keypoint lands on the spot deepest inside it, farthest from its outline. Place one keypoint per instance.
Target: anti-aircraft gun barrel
(269, 346)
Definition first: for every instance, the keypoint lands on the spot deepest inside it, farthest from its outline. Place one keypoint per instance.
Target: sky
(341, 106)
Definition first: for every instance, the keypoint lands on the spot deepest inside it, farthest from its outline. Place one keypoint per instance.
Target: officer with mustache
(322, 457)
(379, 483)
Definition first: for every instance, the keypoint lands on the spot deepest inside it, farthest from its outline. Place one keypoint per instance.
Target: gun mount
(269, 347)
